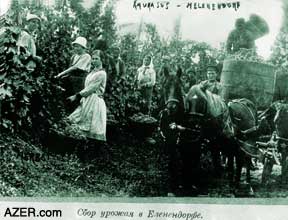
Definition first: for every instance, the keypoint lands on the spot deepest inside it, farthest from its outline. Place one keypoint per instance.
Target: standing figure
(75, 74)
(26, 42)
(118, 62)
(182, 153)
(90, 116)
(213, 86)
(211, 83)
(146, 79)
(239, 38)
(163, 73)
(189, 79)
(169, 119)
(26, 48)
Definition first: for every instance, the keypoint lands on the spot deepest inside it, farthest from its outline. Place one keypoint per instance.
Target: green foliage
(18, 84)
(119, 169)
(76, 6)
(280, 48)
(279, 55)
(107, 24)
(89, 23)
(33, 97)
(122, 97)
(129, 51)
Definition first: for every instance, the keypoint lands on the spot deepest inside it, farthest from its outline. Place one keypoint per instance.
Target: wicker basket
(141, 129)
(112, 130)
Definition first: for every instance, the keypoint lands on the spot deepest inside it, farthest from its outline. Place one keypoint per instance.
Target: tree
(14, 12)
(76, 6)
(107, 24)
(88, 23)
(177, 28)
(280, 48)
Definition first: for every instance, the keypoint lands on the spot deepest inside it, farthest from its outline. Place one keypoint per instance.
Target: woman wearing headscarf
(90, 115)
(146, 79)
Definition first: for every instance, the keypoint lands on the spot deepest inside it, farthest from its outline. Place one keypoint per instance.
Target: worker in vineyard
(162, 73)
(26, 40)
(211, 84)
(189, 79)
(119, 65)
(146, 79)
(90, 116)
(170, 135)
(80, 61)
(239, 38)
(80, 65)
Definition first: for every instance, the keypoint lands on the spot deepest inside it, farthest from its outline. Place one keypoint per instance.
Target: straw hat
(81, 41)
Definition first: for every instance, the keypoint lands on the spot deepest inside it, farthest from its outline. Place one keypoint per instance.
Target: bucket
(247, 79)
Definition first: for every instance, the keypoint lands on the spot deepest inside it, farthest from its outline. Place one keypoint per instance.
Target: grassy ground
(114, 169)
(124, 167)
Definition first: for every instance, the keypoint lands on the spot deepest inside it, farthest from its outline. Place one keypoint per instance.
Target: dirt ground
(273, 188)
(124, 167)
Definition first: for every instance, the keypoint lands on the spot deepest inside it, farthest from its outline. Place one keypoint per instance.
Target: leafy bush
(18, 84)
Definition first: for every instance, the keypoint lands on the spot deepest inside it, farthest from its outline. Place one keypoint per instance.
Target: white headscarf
(151, 65)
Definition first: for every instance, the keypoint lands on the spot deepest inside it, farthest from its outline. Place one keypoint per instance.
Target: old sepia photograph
(144, 98)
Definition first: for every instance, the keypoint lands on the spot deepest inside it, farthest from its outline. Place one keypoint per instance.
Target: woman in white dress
(90, 115)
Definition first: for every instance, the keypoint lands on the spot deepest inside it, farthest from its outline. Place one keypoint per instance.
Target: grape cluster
(68, 129)
(111, 120)
(141, 118)
(247, 55)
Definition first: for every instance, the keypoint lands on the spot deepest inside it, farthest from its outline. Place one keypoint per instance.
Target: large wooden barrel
(251, 80)
(281, 85)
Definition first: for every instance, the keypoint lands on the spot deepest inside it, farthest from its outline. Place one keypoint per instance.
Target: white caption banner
(137, 211)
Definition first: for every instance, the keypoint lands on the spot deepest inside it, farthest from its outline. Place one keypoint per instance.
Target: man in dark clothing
(170, 134)
(183, 158)
(211, 84)
(119, 65)
(239, 38)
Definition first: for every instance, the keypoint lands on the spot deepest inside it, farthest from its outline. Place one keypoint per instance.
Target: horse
(243, 114)
(230, 126)
(204, 116)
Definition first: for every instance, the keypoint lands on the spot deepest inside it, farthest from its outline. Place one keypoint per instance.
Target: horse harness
(249, 130)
